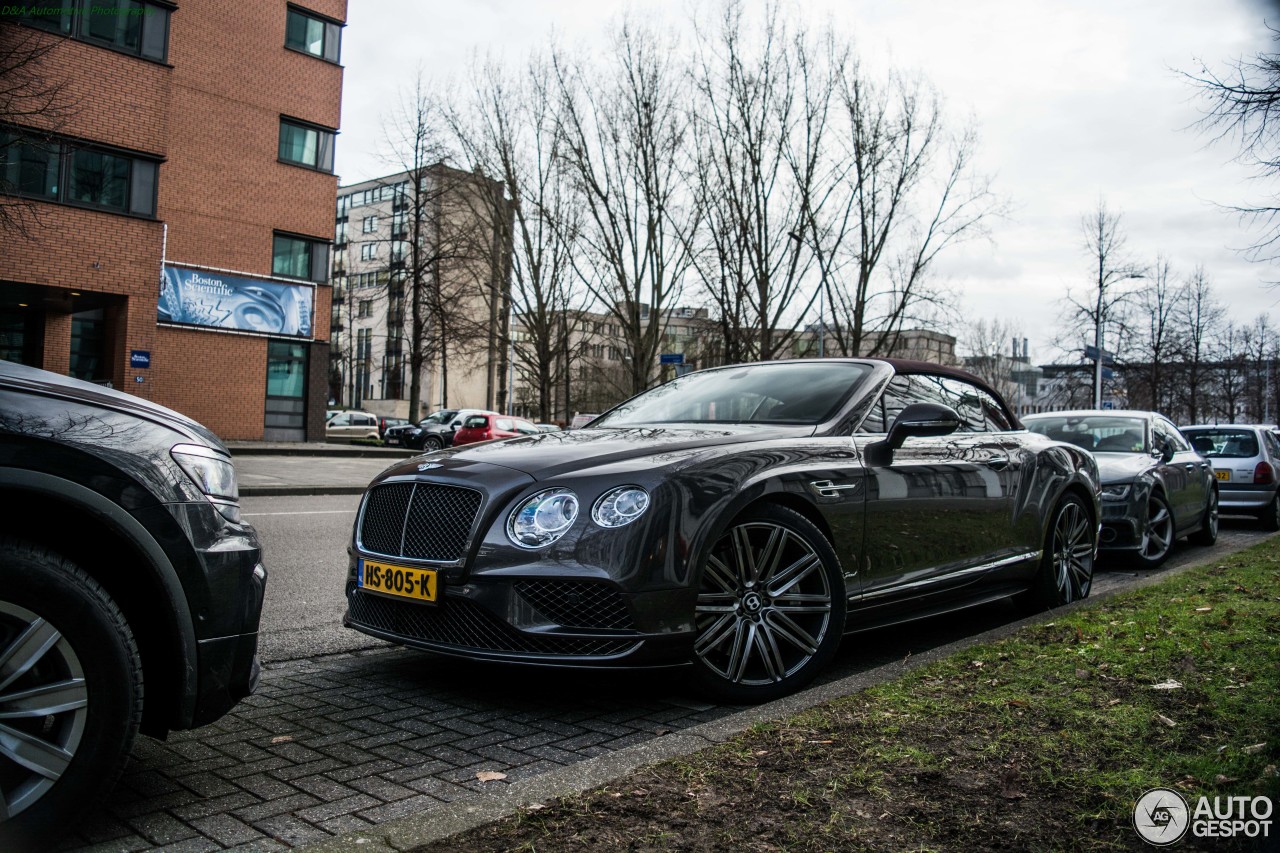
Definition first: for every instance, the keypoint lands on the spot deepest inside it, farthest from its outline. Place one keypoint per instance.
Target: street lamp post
(1104, 279)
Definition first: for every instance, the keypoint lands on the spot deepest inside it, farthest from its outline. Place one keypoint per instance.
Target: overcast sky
(1074, 101)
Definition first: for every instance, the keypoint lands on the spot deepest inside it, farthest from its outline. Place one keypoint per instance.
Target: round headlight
(620, 506)
(543, 518)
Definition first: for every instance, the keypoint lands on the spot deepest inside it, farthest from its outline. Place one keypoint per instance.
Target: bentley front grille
(421, 521)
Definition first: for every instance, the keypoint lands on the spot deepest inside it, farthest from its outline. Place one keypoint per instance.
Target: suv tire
(60, 632)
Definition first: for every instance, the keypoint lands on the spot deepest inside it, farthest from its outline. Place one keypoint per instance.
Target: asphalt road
(306, 538)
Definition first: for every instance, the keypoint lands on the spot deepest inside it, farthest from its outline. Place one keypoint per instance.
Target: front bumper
(507, 620)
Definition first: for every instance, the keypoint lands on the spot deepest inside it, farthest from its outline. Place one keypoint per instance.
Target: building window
(300, 257)
(56, 170)
(340, 232)
(306, 145)
(135, 27)
(365, 308)
(309, 33)
(369, 224)
(368, 251)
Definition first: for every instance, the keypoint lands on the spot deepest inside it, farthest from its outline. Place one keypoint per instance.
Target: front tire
(1208, 532)
(1066, 568)
(1157, 541)
(770, 609)
(70, 693)
(432, 442)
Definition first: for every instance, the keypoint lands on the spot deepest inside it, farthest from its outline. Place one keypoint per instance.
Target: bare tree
(35, 103)
(1259, 343)
(1147, 375)
(990, 351)
(448, 250)
(1102, 308)
(1244, 104)
(509, 131)
(912, 192)
(624, 125)
(759, 126)
(1201, 316)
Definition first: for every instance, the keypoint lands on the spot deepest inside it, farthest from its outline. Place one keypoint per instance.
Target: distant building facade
(179, 214)
(463, 291)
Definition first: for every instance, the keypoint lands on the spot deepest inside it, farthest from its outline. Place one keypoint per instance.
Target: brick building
(178, 207)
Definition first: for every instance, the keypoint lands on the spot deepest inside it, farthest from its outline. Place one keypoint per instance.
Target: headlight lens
(1116, 493)
(621, 506)
(543, 518)
(213, 473)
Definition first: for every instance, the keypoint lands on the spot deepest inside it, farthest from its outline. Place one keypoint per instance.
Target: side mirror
(918, 420)
(1163, 451)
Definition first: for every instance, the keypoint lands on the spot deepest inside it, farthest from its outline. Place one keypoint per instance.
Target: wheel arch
(139, 577)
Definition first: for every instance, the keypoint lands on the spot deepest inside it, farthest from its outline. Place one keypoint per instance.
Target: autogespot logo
(1161, 816)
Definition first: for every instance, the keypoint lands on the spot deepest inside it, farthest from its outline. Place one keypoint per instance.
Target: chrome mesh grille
(576, 604)
(422, 521)
(460, 624)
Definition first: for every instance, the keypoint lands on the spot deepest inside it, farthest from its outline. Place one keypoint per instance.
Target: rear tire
(770, 610)
(1208, 532)
(1066, 568)
(70, 693)
(1269, 520)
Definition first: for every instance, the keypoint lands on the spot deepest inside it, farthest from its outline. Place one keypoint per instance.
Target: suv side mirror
(918, 420)
(1163, 451)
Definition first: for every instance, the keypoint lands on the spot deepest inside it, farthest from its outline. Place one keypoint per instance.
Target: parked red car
(489, 427)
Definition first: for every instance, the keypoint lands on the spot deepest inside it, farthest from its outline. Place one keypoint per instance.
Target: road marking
(301, 512)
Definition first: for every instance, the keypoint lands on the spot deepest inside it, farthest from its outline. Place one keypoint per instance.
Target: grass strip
(1040, 741)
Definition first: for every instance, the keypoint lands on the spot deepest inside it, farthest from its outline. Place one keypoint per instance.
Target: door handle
(1191, 466)
(999, 463)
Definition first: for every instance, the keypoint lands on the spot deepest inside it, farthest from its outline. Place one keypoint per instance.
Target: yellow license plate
(1222, 475)
(390, 579)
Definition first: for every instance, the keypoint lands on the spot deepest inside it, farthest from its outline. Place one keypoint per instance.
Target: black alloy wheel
(1157, 540)
(1066, 567)
(70, 693)
(432, 442)
(1208, 532)
(770, 609)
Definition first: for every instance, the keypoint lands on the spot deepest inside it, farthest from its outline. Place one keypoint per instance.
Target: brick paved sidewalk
(338, 744)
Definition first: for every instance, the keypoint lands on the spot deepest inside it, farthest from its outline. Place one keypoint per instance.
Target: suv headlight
(1116, 493)
(214, 474)
(543, 518)
(620, 506)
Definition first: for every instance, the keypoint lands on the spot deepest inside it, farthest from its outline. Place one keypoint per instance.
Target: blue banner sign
(671, 358)
(220, 301)
(139, 358)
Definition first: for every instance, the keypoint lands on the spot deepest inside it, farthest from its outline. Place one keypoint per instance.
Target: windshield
(1224, 443)
(779, 393)
(1096, 433)
(441, 417)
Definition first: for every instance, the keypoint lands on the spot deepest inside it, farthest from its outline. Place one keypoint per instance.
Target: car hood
(38, 381)
(550, 454)
(1122, 467)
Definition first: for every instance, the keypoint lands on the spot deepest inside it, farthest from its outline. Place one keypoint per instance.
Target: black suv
(123, 562)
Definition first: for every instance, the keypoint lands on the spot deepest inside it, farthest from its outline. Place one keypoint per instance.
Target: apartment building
(461, 225)
(178, 211)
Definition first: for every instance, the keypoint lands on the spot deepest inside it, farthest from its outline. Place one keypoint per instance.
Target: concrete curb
(324, 450)
(306, 491)
(486, 807)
